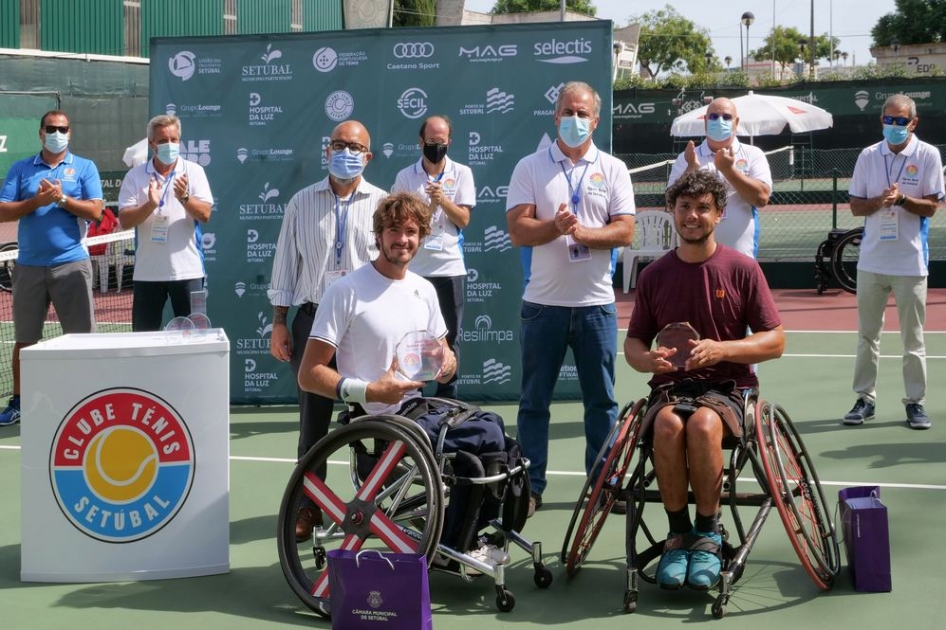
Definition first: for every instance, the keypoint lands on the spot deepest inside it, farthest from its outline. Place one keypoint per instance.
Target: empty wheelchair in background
(8, 254)
(770, 448)
(836, 258)
(388, 485)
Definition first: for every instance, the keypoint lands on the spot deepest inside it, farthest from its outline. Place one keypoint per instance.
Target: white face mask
(574, 130)
(56, 142)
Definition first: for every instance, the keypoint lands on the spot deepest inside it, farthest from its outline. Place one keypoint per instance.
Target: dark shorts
(724, 398)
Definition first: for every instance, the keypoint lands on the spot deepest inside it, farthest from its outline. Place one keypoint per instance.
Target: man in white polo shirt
(743, 168)
(167, 200)
(570, 204)
(897, 187)
(447, 187)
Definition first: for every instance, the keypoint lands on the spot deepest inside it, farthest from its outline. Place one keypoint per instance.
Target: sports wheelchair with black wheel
(836, 258)
(393, 492)
(782, 467)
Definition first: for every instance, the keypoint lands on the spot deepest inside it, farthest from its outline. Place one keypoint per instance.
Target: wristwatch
(61, 202)
(184, 199)
(902, 199)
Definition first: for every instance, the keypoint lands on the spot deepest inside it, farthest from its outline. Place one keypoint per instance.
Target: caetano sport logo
(121, 464)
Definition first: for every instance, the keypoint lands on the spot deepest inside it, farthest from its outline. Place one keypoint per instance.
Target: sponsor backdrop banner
(257, 112)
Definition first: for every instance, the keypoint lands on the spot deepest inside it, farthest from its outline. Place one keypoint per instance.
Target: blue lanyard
(437, 178)
(166, 184)
(575, 192)
(887, 168)
(341, 227)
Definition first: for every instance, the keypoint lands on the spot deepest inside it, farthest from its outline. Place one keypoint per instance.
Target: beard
(396, 257)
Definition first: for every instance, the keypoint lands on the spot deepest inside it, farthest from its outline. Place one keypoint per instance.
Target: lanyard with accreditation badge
(341, 229)
(889, 217)
(576, 251)
(161, 221)
(434, 240)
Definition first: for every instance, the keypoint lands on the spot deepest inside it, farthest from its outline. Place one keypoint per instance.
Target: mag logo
(121, 465)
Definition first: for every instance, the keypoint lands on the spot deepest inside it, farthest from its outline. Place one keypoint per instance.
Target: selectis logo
(559, 52)
(121, 465)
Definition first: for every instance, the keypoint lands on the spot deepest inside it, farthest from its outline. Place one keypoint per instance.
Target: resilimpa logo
(121, 465)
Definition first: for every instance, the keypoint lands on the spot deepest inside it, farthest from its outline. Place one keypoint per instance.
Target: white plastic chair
(654, 236)
(116, 257)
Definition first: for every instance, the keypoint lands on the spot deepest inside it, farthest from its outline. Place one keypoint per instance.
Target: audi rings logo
(413, 50)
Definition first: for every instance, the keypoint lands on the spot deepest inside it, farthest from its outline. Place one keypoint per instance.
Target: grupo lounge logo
(121, 465)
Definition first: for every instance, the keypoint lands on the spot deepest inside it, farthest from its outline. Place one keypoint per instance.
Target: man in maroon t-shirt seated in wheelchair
(698, 303)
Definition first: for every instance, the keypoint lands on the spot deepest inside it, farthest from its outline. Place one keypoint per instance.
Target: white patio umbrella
(136, 154)
(760, 115)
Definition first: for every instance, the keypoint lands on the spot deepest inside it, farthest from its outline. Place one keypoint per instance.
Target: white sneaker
(490, 555)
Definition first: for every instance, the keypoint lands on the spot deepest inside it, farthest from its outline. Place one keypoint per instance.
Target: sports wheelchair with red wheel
(770, 447)
(388, 484)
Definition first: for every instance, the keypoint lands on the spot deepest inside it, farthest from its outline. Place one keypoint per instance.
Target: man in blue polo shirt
(53, 195)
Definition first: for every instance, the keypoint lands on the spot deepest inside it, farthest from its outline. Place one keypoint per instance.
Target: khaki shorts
(68, 287)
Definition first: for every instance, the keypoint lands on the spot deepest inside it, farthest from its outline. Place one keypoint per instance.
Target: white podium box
(125, 457)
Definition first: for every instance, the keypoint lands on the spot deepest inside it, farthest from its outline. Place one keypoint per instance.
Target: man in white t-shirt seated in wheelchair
(696, 398)
(361, 319)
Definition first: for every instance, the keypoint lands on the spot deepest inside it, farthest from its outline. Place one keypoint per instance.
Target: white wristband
(354, 390)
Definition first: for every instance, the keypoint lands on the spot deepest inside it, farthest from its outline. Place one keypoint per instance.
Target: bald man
(326, 234)
(743, 169)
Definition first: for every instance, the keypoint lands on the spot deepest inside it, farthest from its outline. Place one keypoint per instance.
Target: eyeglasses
(55, 128)
(354, 147)
(900, 121)
(715, 116)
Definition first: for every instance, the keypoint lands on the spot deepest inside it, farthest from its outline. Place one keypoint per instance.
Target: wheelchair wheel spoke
(323, 497)
(379, 474)
(320, 588)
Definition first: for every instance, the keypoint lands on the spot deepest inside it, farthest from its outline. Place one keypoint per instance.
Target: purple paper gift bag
(866, 533)
(370, 590)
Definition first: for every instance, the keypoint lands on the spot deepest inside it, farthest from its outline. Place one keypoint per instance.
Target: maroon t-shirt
(720, 297)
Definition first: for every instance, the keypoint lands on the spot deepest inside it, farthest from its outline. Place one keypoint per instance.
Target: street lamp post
(728, 61)
(747, 18)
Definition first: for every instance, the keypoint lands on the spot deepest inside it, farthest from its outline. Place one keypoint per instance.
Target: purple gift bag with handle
(866, 533)
(369, 589)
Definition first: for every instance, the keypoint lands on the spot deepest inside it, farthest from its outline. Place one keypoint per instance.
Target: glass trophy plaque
(179, 329)
(419, 356)
(678, 335)
(201, 324)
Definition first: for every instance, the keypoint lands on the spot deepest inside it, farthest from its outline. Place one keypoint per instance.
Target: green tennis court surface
(812, 382)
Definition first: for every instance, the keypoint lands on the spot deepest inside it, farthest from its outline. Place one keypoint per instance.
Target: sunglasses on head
(715, 116)
(55, 128)
(900, 121)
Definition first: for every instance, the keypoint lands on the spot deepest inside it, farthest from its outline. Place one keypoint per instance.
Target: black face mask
(435, 152)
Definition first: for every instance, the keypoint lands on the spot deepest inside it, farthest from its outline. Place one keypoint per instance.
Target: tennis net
(113, 262)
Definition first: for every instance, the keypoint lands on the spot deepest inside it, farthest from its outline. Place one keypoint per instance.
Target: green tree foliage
(786, 47)
(415, 12)
(525, 6)
(914, 22)
(670, 42)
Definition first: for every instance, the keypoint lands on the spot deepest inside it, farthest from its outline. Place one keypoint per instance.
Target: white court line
(566, 473)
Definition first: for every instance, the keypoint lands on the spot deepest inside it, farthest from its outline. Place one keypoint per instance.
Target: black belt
(308, 308)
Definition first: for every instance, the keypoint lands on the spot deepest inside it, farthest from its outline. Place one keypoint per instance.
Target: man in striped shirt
(326, 234)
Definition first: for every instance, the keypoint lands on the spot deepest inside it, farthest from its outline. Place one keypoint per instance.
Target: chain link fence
(809, 198)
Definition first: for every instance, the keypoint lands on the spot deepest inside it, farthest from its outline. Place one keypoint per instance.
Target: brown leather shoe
(308, 519)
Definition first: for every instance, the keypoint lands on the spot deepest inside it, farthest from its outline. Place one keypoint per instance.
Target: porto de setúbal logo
(121, 465)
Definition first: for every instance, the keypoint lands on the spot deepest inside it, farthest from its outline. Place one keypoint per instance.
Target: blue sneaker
(11, 415)
(916, 416)
(862, 410)
(705, 562)
(672, 569)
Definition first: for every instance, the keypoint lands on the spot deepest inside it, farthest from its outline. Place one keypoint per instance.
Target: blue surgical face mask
(168, 152)
(574, 130)
(719, 130)
(56, 142)
(895, 134)
(345, 165)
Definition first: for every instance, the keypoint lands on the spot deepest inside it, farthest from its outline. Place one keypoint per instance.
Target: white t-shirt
(441, 253)
(365, 314)
(176, 254)
(740, 227)
(898, 244)
(547, 179)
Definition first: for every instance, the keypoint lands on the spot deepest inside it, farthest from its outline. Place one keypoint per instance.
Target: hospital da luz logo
(121, 464)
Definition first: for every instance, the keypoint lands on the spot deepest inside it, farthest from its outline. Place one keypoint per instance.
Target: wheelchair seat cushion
(722, 397)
